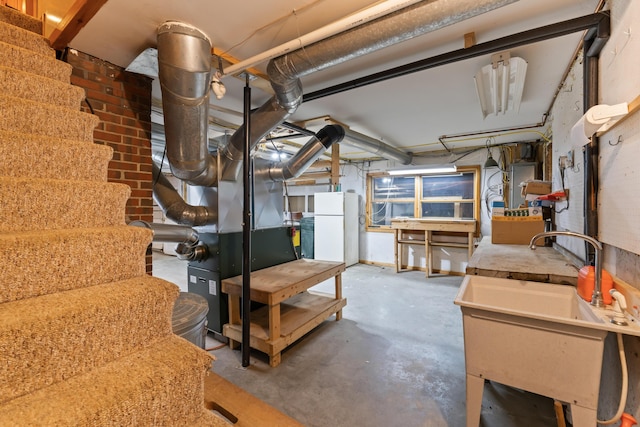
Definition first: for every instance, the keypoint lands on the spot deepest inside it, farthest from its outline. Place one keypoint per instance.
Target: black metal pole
(598, 20)
(593, 43)
(246, 231)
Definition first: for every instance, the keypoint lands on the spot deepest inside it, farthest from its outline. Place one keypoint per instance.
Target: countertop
(518, 262)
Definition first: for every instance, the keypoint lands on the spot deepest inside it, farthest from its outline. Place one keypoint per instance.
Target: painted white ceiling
(409, 112)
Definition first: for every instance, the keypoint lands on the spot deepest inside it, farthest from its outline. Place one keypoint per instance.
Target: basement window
(452, 196)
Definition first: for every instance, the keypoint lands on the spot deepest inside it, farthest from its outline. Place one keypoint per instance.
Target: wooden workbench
(545, 264)
(427, 226)
(291, 310)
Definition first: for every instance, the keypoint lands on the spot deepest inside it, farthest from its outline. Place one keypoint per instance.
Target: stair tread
(12, 56)
(74, 258)
(100, 323)
(160, 385)
(37, 156)
(19, 19)
(25, 85)
(25, 39)
(28, 203)
(23, 115)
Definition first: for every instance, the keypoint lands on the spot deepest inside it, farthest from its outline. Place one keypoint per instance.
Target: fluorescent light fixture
(500, 84)
(424, 170)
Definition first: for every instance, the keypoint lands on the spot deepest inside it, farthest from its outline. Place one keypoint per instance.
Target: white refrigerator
(336, 227)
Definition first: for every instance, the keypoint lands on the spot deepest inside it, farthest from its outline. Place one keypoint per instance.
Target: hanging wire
(157, 177)
(294, 12)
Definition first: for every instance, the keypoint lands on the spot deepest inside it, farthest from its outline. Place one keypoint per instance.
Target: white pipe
(344, 24)
(625, 384)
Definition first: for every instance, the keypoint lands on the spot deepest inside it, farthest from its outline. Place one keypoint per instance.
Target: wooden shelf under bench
(291, 310)
(426, 227)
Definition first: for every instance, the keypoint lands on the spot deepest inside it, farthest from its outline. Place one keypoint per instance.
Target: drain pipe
(174, 206)
(285, 71)
(309, 153)
(184, 70)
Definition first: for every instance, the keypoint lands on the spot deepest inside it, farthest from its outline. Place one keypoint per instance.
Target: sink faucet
(596, 298)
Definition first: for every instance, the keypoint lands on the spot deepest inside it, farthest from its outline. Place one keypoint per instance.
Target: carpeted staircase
(85, 334)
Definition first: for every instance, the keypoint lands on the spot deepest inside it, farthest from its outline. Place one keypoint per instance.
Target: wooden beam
(241, 408)
(261, 81)
(314, 175)
(335, 165)
(469, 40)
(76, 18)
(302, 182)
(321, 164)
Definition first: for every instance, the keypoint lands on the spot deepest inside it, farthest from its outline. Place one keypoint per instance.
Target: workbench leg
(234, 317)
(397, 252)
(274, 360)
(470, 245)
(339, 294)
(274, 322)
(427, 252)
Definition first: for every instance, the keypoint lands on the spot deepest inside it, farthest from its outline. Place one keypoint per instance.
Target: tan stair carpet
(122, 393)
(35, 338)
(25, 39)
(85, 334)
(41, 262)
(20, 115)
(36, 156)
(27, 203)
(13, 17)
(25, 85)
(33, 62)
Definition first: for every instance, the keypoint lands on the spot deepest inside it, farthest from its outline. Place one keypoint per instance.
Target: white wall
(618, 207)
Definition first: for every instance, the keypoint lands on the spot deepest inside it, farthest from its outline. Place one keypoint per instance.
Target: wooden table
(290, 311)
(545, 264)
(428, 226)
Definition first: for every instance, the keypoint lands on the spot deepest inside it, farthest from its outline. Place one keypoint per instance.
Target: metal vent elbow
(304, 158)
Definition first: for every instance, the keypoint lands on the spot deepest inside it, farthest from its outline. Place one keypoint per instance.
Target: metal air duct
(184, 69)
(186, 238)
(174, 206)
(371, 145)
(308, 154)
(170, 233)
(285, 71)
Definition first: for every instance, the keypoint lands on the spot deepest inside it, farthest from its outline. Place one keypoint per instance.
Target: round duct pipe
(184, 70)
(309, 153)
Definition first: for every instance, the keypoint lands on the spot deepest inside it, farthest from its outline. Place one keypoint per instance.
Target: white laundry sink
(536, 300)
(534, 336)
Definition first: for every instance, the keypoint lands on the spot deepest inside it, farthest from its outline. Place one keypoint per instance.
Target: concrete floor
(395, 359)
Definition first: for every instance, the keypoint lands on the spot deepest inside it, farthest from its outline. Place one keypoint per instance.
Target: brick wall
(122, 100)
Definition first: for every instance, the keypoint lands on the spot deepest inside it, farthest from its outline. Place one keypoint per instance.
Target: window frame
(418, 199)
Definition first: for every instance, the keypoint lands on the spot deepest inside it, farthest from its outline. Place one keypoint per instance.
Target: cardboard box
(515, 230)
(536, 187)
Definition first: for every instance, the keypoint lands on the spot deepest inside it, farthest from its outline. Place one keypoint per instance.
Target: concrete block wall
(122, 100)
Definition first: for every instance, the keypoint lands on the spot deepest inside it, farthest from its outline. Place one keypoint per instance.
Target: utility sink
(545, 301)
(538, 337)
